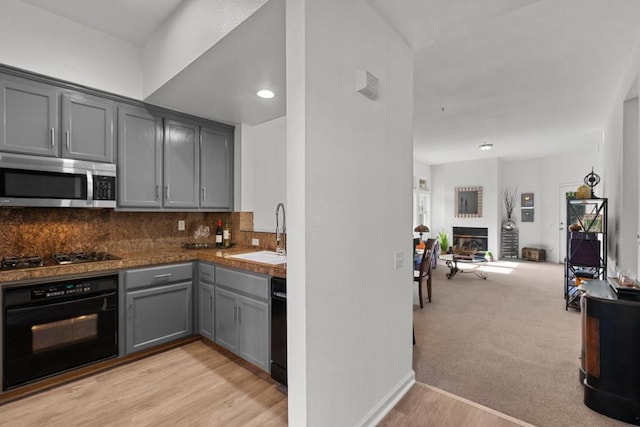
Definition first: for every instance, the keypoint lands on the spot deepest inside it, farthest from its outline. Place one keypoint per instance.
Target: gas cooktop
(77, 257)
(16, 262)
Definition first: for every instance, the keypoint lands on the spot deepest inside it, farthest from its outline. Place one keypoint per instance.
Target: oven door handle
(106, 306)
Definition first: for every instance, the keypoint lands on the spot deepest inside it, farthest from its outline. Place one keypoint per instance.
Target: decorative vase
(509, 224)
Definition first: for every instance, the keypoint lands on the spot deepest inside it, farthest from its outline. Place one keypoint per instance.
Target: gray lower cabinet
(206, 295)
(28, 117)
(242, 315)
(139, 158)
(216, 168)
(206, 320)
(158, 305)
(181, 164)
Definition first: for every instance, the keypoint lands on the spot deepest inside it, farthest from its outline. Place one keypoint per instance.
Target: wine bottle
(219, 234)
(226, 234)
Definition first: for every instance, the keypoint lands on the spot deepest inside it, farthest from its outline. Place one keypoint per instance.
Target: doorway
(565, 191)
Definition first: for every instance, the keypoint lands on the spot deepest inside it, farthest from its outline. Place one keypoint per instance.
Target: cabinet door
(181, 165)
(253, 319)
(226, 312)
(28, 118)
(87, 124)
(206, 325)
(158, 315)
(139, 158)
(216, 169)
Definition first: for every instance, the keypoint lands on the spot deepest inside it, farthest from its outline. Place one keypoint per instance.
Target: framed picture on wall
(526, 200)
(527, 215)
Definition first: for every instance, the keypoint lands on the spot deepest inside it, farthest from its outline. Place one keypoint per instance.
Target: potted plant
(443, 241)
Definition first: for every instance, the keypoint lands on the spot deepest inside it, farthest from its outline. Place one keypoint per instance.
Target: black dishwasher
(279, 330)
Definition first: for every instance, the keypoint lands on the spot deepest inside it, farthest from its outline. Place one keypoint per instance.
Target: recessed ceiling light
(486, 146)
(265, 93)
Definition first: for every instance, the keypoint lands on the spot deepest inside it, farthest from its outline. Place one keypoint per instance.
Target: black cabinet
(509, 243)
(586, 246)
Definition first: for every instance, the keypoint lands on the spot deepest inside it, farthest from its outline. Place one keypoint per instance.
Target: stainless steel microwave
(53, 182)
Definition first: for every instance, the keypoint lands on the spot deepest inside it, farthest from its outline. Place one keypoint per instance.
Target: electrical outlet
(181, 225)
(255, 242)
(398, 259)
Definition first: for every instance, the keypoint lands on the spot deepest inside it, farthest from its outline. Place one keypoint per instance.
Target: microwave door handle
(89, 188)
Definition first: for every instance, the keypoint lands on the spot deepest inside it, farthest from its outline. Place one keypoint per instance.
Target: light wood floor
(424, 405)
(195, 385)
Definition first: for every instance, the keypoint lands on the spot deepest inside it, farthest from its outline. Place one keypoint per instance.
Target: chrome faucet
(282, 250)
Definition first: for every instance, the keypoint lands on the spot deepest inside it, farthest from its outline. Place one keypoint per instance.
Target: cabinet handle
(162, 276)
(239, 315)
(210, 302)
(204, 193)
(157, 192)
(53, 137)
(235, 316)
(129, 311)
(166, 192)
(67, 140)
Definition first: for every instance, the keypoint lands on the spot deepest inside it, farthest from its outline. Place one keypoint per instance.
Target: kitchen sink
(265, 257)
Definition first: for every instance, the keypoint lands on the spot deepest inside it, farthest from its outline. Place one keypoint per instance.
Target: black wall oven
(57, 326)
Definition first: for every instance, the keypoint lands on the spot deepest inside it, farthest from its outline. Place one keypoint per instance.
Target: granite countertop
(146, 259)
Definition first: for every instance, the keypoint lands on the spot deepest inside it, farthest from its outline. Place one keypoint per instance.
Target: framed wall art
(469, 202)
(526, 200)
(527, 215)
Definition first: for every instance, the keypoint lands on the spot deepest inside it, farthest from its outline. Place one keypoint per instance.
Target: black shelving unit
(587, 248)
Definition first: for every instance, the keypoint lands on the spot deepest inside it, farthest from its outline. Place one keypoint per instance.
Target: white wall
(628, 238)
(540, 176)
(189, 32)
(543, 177)
(39, 41)
(264, 171)
(476, 173)
(613, 174)
(349, 178)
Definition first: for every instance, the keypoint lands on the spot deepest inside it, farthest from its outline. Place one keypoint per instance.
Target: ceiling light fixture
(265, 94)
(486, 146)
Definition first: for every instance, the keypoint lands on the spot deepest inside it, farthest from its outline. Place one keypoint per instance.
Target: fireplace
(472, 239)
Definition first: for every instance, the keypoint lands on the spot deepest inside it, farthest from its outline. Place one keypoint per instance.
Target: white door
(562, 215)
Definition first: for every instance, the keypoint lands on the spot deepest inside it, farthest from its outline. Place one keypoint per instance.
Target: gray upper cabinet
(181, 164)
(216, 168)
(87, 128)
(28, 117)
(139, 158)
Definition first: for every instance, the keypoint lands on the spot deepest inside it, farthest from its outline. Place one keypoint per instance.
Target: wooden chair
(424, 273)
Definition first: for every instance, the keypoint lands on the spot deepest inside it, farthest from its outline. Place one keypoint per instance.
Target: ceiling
(531, 77)
(134, 21)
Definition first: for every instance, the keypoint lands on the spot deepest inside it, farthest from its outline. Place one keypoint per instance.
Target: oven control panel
(60, 290)
(47, 292)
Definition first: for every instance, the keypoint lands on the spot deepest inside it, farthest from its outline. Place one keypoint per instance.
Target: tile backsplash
(43, 231)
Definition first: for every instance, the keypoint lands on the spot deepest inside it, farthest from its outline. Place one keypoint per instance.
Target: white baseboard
(378, 412)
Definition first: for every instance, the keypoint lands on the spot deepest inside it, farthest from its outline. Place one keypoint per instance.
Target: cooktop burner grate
(77, 257)
(13, 262)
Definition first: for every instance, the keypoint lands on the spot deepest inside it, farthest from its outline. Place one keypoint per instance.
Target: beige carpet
(506, 343)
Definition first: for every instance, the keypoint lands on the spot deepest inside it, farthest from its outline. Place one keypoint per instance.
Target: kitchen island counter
(148, 258)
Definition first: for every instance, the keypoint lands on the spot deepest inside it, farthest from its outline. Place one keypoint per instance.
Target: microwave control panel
(104, 187)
